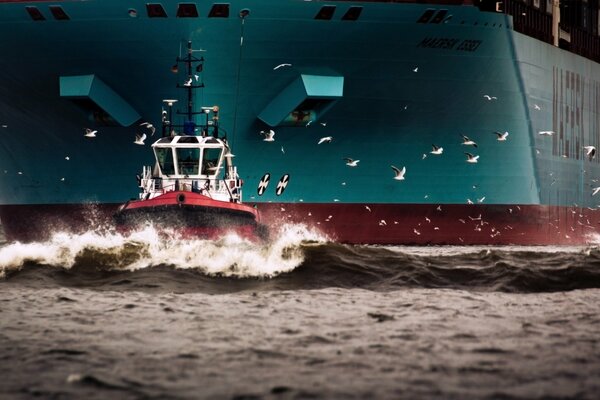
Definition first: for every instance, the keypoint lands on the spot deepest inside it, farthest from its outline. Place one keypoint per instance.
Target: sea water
(149, 315)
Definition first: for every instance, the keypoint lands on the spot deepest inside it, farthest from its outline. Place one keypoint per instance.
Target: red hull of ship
(190, 215)
(397, 224)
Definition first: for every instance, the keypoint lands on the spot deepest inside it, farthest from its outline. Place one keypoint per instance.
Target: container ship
(384, 122)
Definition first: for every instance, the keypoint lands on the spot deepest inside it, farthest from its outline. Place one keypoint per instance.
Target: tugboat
(193, 188)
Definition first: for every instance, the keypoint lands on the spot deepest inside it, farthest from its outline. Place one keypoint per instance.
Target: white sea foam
(227, 256)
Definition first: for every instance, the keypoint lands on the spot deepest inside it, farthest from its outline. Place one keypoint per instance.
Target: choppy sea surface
(143, 316)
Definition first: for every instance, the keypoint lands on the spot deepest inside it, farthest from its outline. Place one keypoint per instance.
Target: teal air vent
(98, 98)
(307, 98)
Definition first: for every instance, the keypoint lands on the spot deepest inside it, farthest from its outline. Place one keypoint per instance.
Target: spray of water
(230, 255)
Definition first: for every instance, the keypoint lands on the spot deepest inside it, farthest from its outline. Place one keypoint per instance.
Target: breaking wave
(229, 256)
(296, 258)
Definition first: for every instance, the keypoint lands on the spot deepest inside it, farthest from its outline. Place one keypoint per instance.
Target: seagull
(436, 150)
(546, 133)
(196, 77)
(149, 126)
(269, 136)
(489, 98)
(416, 69)
(368, 208)
(351, 163)
(140, 139)
(481, 199)
(67, 158)
(399, 173)
(282, 150)
(469, 201)
(188, 82)
(323, 123)
(62, 179)
(596, 190)
(326, 139)
(424, 156)
(501, 136)
(537, 107)
(471, 158)
(90, 133)
(282, 65)
(308, 123)
(590, 151)
(468, 142)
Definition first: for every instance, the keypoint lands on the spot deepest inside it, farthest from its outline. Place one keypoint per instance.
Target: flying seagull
(537, 107)
(546, 133)
(140, 139)
(269, 136)
(416, 69)
(436, 150)
(351, 163)
(326, 139)
(149, 126)
(90, 133)
(596, 190)
(590, 151)
(471, 158)
(188, 82)
(399, 173)
(468, 142)
(282, 65)
(489, 98)
(501, 136)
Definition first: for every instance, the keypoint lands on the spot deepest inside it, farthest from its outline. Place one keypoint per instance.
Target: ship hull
(406, 85)
(382, 224)
(189, 215)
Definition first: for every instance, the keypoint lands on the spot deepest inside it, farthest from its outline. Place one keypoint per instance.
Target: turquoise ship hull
(385, 87)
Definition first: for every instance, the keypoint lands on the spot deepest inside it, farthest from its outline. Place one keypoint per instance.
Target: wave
(296, 259)
(230, 255)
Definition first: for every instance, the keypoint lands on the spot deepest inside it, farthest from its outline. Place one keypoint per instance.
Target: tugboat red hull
(191, 214)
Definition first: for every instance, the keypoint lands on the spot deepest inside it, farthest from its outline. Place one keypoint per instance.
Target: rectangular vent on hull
(99, 100)
(35, 14)
(219, 10)
(58, 13)
(326, 12)
(439, 16)
(155, 10)
(187, 10)
(426, 16)
(352, 14)
(305, 99)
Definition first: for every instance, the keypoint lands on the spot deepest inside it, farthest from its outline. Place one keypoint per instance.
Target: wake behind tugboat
(136, 316)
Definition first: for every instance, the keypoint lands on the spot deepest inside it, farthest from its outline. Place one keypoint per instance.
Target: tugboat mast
(194, 66)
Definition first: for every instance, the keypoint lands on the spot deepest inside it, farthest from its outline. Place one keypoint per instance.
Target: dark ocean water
(102, 316)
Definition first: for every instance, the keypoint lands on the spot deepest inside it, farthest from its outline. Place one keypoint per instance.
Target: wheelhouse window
(423, 19)
(187, 10)
(326, 12)
(219, 10)
(352, 14)
(164, 156)
(188, 161)
(58, 13)
(439, 16)
(155, 10)
(35, 13)
(210, 161)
